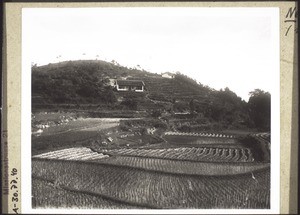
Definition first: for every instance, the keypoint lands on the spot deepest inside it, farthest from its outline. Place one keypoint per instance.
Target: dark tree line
(71, 83)
(259, 105)
(230, 110)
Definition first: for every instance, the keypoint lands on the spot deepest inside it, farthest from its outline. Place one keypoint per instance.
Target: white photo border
(273, 12)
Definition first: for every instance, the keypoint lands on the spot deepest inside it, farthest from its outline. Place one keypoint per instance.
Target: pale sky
(219, 47)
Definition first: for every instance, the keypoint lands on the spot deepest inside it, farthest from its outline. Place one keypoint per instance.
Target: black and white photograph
(144, 108)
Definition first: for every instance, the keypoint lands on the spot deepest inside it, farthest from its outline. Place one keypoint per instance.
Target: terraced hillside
(67, 75)
(172, 146)
(83, 177)
(189, 154)
(87, 86)
(164, 89)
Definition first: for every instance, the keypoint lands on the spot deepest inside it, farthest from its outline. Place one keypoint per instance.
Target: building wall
(142, 90)
(122, 88)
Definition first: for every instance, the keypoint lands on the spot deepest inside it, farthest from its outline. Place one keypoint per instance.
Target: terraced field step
(184, 167)
(188, 153)
(156, 189)
(79, 153)
(199, 134)
(163, 160)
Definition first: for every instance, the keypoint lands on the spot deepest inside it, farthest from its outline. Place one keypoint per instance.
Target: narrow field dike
(184, 167)
(154, 189)
(205, 154)
(189, 139)
(172, 160)
(203, 134)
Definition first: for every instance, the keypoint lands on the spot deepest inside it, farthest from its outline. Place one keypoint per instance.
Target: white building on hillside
(168, 75)
(130, 85)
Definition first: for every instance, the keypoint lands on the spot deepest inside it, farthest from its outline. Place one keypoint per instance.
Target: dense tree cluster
(72, 83)
(259, 105)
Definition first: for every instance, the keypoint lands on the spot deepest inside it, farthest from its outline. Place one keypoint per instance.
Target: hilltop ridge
(87, 81)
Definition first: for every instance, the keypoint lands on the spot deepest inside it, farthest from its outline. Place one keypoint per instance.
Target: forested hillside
(85, 85)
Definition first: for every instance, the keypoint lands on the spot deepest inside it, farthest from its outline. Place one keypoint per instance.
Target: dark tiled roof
(130, 82)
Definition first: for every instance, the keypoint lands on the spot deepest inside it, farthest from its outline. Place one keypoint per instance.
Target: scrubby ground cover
(157, 189)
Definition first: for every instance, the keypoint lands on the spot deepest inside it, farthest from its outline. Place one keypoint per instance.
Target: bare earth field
(90, 163)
